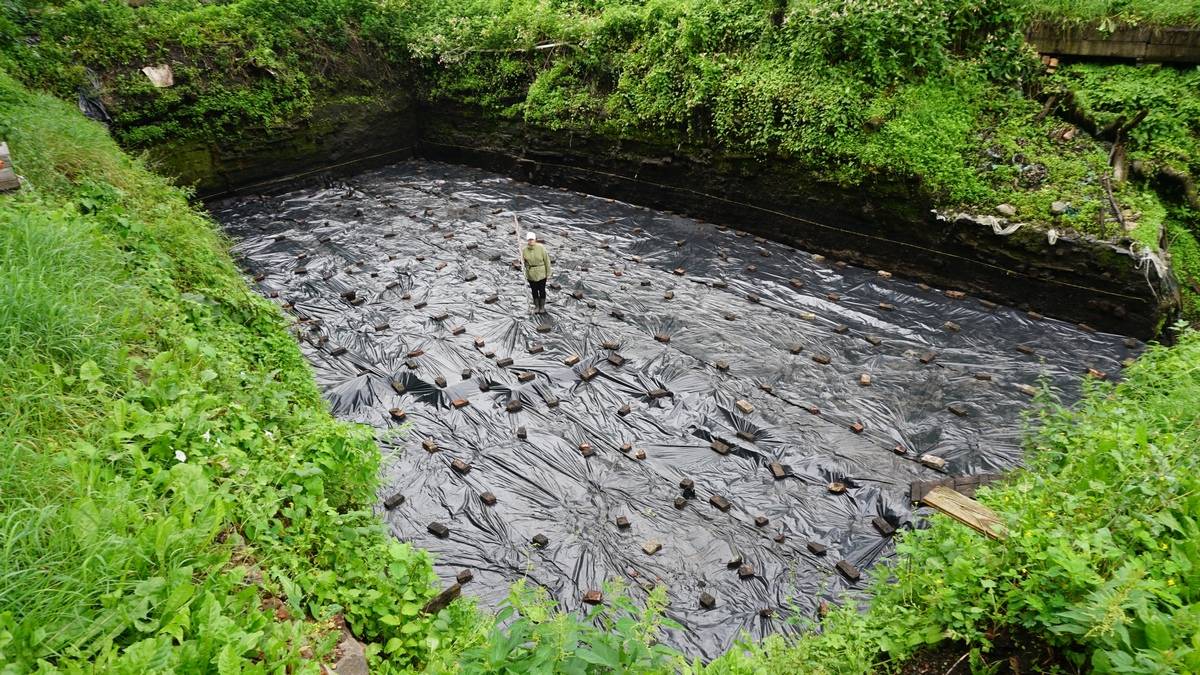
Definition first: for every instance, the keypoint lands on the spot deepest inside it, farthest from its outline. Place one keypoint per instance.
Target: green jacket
(537, 262)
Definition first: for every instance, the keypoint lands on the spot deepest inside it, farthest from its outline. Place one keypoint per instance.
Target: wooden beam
(966, 511)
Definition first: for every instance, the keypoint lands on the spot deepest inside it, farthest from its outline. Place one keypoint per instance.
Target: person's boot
(541, 305)
(533, 308)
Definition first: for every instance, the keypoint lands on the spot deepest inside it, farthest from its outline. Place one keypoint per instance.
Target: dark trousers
(539, 290)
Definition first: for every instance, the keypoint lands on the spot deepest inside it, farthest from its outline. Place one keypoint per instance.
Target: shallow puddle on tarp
(416, 240)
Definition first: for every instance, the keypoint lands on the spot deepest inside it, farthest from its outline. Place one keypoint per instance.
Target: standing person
(537, 270)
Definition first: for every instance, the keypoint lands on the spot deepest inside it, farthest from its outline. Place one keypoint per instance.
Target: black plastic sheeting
(369, 264)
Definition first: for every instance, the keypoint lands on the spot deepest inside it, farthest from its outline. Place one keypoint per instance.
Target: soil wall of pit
(888, 226)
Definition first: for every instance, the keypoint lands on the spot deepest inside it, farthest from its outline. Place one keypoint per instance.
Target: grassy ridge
(167, 461)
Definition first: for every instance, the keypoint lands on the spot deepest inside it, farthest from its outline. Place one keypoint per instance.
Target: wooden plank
(966, 511)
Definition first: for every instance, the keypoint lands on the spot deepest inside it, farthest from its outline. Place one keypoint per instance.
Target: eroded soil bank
(406, 301)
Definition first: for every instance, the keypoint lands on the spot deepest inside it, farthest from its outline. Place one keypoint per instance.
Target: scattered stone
(438, 530)
(585, 449)
(955, 295)
(816, 548)
(657, 393)
(1026, 389)
(730, 316)
(796, 348)
(420, 304)
(440, 381)
(430, 445)
(900, 449)
(688, 486)
(875, 340)
(958, 409)
(761, 521)
(952, 327)
(933, 462)
(514, 406)
(639, 454)
(662, 337)
(489, 300)
(1058, 208)
(1085, 328)
(707, 601)
(720, 502)
(624, 410)
(397, 414)
(669, 295)
(393, 501)
(1026, 349)
(440, 316)
(337, 351)
(679, 271)
(680, 502)
(593, 597)
(766, 612)
(821, 359)
(746, 571)
(722, 365)
(886, 306)
(884, 274)
(744, 406)
(460, 403)
(849, 571)
(466, 374)
(864, 380)
(461, 467)
(488, 498)
(883, 526)
(780, 538)
(617, 314)
(836, 487)
(833, 297)
(753, 298)
(928, 357)
(1034, 316)
(464, 576)
(1006, 210)
(987, 304)
(540, 540)
(544, 328)
(1097, 374)
(746, 435)
(651, 547)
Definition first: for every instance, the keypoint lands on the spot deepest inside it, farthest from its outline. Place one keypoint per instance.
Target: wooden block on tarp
(680, 502)
(397, 414)
(617, 314)
(952, 327)
(440, 381)
(438, 530)
(744, 406)
(662, 337)
(928, 357)
(883, 526)
(886, 306)
(657, 393)
(593, 597)
(571, 360)
(504, 362)
(525, 376)
(420, 304)
(460, 403)
(983, 377)
(721, 447)
(958, 409)
(864, 380)
(514, 406)
(720, 502)
(841, 329)
(651, 547)
(624, 410)
(848, 570)
(822, 359)
(338, 350)
(1026, 349)
(488, 498)
(610, 344)
(796, 348)
(746, 435)
(933, 462)
(589, 373)
(761, 521)
(522, 433)
(796, 282)
(429, 445)
(746, 571)
(875, 340)
(722, 366)
(458, 330)
(707, 601)
(857, 427)
(836, 487)
(460, 467)
(616, 359)
(489, 300)
(622, 523)
(442, 600)
(966, 511)
(955, 295)
(816, 548)
(777, 470)
(393, 501)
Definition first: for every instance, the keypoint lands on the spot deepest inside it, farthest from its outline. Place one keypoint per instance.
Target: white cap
(531, 236)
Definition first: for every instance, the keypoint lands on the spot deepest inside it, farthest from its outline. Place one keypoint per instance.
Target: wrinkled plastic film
(701, 318)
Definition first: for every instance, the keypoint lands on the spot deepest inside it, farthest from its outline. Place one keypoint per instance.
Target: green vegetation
(168, 471)
(1109, 14)
(167, 462)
